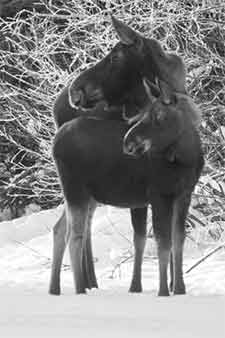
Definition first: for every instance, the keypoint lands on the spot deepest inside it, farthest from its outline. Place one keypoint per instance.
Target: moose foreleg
(139, 222)
(162, 212)
(180, 209)
(87, 256)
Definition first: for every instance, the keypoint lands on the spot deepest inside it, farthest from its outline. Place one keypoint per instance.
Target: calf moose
(110, 172)
(114, 81)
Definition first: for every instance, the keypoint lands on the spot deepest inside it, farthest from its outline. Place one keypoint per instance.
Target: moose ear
(126, 34)
(166, 92)
(151, 90)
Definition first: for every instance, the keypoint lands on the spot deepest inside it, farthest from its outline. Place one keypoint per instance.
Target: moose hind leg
(90, 279)
(180, 209)
(87, 256)
(171, 272)
(161, 214)
(59, 245)
(77, 203)
(139, 222)
(77, 217)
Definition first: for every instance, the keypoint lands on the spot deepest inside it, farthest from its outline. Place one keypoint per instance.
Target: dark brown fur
(94, 171)
(103, 91)
(117, 79)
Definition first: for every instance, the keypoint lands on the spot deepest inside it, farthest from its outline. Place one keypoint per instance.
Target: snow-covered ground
(26, 309)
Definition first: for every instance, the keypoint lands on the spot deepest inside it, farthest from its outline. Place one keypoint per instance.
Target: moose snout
(135, 146)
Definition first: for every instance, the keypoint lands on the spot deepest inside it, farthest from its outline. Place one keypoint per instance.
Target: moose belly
(132, 190)
(124, 192)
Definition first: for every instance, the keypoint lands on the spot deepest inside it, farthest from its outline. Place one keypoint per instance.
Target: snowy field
(26, 309)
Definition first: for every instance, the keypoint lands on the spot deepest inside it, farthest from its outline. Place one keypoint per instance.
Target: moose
(116, 80)
(113, 172)
(105, 91)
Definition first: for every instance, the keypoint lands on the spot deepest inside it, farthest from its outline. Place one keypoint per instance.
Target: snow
(26, 309)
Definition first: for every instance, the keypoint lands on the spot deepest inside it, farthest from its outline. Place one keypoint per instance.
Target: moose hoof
(135, 289)
(163, 293)
(179, 291)
(179, 288)
(91, 285)
(80, 291)
(54, 291)
(94, 285)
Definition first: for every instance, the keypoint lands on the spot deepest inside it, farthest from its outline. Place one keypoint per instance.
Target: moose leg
(77, 205)
(77, 218)
(60, 237)
(59, 245)
(139, 222)
(171, 272)
(180, 209)
(161, 214)
(87, 256)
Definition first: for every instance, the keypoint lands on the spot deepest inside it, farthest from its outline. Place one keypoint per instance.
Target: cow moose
(112, 172)
(116, 80)
(105, 91)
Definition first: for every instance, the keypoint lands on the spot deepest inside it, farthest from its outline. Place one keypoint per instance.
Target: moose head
(119, 74)
(161, 122)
